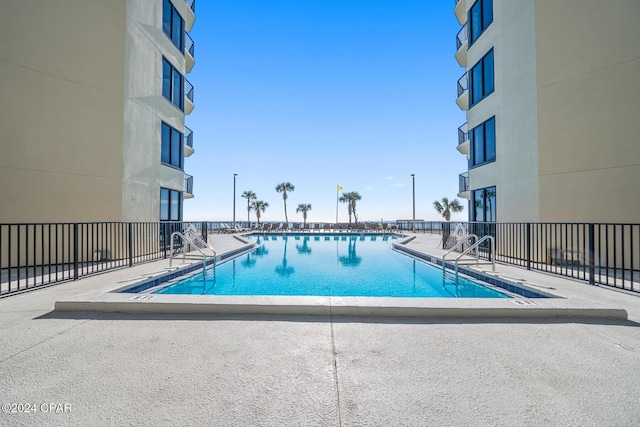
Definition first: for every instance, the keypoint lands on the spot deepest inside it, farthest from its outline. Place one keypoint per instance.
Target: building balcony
(188, 187)
(463, 190)
(463, 140)
(189, 52)
(461, 11)
(190, 16)
(463, 93)
(461, 46)
(188, 97)
(188, 142)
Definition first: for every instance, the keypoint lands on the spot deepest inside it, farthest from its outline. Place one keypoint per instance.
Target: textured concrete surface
(238, 370)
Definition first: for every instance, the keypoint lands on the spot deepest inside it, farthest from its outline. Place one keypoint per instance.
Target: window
(483, 143)
(484, 205)
(173, 24)
(172, 147)
(480, 17)
(170, 205)
(172, 84)
(481, 79)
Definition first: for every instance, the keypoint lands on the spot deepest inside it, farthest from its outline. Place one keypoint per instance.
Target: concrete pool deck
(105, 368)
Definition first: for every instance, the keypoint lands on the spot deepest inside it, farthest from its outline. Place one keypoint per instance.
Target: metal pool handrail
(492, 257)
(192, 241)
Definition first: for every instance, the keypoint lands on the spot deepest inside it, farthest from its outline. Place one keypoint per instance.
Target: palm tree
(351, 198)
(445, 208)
(259, 206)
(283, 187)
(304, 208)
(250, 196)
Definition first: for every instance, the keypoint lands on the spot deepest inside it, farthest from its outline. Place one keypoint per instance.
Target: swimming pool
(328, 265)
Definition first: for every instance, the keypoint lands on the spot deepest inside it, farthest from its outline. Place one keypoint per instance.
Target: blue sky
(320, 93)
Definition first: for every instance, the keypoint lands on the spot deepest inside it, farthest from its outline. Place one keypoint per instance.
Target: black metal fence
(604, 254)
(36, 255)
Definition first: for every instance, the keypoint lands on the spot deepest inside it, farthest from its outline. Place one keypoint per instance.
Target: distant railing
(188, 184)
(463, 134)
(188, 137)
(462, 84)
(189, 46)
(461, 38)
(188, 90)
(192, 5)
(463, 184)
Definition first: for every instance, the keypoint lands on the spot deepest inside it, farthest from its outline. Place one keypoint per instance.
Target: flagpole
(337, 186)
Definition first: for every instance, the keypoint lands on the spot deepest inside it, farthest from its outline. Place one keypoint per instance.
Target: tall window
(484, 205)
(172, 147)
(170, 205)
(480, 16)
(481, 80)
(483, 142)
(172, 84)
(173, 24)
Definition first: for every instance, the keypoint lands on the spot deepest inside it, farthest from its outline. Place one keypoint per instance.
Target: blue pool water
(328, 265)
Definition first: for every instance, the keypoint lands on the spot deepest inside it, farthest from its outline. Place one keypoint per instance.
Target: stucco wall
(588, 108)
(515, 170)
(61, 88)
(145, 109)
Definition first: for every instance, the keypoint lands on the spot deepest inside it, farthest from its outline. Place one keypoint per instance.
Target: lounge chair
(224, 228)
(307, 227)
(239, 229)
(328, 227)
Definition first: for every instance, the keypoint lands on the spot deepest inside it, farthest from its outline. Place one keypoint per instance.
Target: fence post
(164, 238)
(130, 244)
(446, 231)
(528, 243)
(75, 251)
(592, 252)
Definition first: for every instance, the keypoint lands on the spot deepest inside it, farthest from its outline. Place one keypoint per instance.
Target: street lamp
(234, 200)
(413, 175)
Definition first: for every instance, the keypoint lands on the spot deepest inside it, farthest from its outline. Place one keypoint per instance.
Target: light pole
(413, 175)
(234, 200)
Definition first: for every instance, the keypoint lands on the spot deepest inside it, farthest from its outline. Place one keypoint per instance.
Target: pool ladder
(474, 247)
(193, 240)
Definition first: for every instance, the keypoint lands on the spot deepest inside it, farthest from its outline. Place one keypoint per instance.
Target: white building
(552, 105)
(93, 98)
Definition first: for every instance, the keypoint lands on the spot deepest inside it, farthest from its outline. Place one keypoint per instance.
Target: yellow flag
(339, 188)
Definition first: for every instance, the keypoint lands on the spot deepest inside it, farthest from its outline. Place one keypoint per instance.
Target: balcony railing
(461, 38)
(188, 184)
(463, 134)
(192, 5)
(188, 137)
(188, 90)
(463, 84)
(464, 182)
(189, 46)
